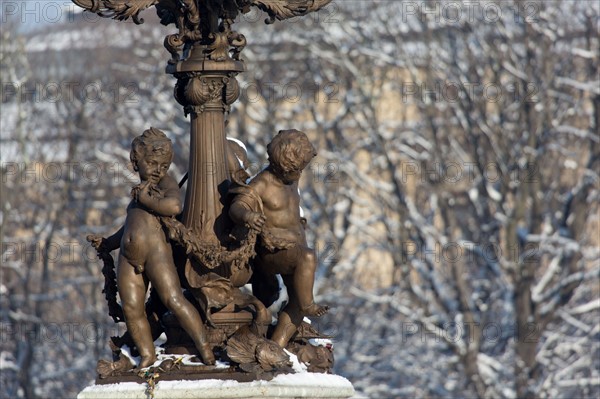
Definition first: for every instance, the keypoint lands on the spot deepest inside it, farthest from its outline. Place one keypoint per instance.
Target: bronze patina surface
(230, 231)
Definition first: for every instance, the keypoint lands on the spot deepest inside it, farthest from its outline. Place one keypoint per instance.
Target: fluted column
(206, 88)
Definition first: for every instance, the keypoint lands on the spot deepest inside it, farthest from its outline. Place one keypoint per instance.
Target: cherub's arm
(166, 204)
(113, 242)
(106, 244)
(239, 213)
(246, 207)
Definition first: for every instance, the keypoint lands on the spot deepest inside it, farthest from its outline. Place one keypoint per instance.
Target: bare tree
(453, 203)
(467, 148)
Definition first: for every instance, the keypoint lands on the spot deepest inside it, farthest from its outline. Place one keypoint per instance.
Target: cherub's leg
(290, 317)
(163, 275)
(304, 280)
(132, 290)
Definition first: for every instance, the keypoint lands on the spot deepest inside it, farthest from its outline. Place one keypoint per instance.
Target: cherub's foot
(207, 355)
(315, 310)
(146, 361)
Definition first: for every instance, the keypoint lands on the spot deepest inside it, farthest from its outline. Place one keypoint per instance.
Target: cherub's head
(289, 153)
(151, 155)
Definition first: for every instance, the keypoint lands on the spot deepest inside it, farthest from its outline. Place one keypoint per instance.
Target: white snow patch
(281, 301)
(583, 53)
(297, 365)
(311, 379)
(238, 142)
(162, 356)
(321, 342)
(126, 351)
(473, 194)
(283, 385)
(570, 164)
(492, 192)
(7, 362)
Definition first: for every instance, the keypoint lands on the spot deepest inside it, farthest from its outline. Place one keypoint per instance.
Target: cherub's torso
(143, 231)
(281, 205)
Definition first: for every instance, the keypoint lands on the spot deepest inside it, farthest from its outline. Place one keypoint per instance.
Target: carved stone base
(300, 385)
(186, 373)
(227, 323)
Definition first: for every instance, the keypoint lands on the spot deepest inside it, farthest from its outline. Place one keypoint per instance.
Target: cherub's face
(154, 167)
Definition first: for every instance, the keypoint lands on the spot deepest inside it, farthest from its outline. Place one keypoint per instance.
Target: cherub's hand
(255, 220)
(141, 192)
(144, 196)
(98, 242)
(135, 192)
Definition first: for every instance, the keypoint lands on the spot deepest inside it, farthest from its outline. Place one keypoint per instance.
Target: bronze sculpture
(271, 204)
(145, 254)
(229, 232)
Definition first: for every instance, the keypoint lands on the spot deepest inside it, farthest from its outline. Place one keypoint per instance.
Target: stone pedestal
(300, 385)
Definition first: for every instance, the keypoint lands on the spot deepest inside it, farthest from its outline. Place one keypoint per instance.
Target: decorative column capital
(206, 77)
(199, 92)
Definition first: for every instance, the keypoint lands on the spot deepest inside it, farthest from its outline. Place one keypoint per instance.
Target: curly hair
(151, 142)
(290, 150)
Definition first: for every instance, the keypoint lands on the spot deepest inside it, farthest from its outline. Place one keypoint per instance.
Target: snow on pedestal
(299, 385)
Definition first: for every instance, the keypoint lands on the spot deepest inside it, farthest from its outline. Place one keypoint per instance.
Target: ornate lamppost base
(230, 232)
(301, 385)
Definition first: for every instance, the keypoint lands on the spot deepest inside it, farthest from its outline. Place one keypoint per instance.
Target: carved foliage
(202, 90)
(110, 278)
(218, 50)
(125, 9)
(118, 9)
(284, 9)
(196, 93)
(195, 26)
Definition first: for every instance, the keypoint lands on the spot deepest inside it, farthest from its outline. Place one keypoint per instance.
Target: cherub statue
(271, 205)
(145, 252)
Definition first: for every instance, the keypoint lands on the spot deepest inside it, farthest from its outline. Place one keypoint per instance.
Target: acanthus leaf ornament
(120, 10)
(124, 9)
(284, 9)
(201, 21)
(218, 50)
